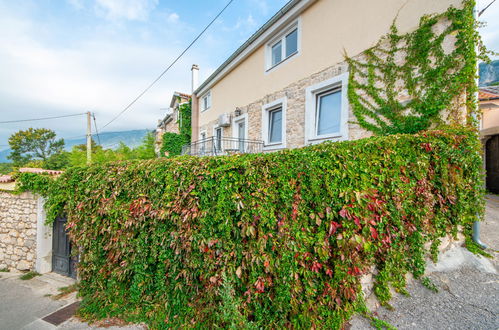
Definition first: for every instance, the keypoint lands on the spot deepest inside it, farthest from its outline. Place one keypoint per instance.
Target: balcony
(222, 146)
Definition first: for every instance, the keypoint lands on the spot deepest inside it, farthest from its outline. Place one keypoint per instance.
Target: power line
(484, 9)
(37, 119)
(168, 68)
(96, 130)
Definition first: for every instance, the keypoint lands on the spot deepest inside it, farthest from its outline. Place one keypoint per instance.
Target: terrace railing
(213, 146)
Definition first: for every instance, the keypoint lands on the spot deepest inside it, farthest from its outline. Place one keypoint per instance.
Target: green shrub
(265, 240)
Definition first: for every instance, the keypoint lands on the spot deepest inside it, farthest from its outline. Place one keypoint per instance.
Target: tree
(34, 144)
(146, 148)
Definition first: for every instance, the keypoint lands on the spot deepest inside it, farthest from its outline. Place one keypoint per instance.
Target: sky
(63, 57)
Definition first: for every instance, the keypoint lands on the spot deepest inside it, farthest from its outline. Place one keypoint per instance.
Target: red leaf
(316, 266)
(357, 221)
(333, 227)
(260, 286)
(374, 233)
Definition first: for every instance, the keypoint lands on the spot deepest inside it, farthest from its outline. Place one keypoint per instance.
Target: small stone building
(25, 239)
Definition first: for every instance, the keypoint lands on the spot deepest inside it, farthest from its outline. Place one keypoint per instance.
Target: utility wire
(96, 130)
(484, 9)
(168, 68)
(37, 119)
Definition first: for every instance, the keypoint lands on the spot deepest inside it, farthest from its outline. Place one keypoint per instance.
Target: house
(286, 86)
(489, 132)
(171, 121)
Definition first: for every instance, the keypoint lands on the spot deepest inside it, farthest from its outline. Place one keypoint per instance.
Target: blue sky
(68, 56)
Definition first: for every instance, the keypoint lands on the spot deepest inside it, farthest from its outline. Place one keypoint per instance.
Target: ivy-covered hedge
(266, 240)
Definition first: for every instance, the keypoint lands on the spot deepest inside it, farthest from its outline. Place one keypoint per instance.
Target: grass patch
(64, 291)
(29, 276)
(4, 270)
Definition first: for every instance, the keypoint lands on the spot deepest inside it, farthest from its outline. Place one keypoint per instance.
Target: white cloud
(173, 18)
(125, 9)
(100, 74)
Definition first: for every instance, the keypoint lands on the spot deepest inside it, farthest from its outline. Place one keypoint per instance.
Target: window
(283, 47)
(218, 138)
(328, 112)
(326, 109)
(292, 43)
(277, 53)
(206, 101)
(274, 124)
(202, 147)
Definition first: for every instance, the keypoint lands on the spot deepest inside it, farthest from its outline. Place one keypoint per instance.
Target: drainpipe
(476, 224)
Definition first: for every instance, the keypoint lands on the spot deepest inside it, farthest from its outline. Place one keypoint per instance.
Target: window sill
(274, 146)
(284, 60)
(331, 137)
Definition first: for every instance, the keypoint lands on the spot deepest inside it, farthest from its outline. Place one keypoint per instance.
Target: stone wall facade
(18, 226)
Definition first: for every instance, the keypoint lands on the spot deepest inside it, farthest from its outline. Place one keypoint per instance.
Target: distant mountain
(108, 140)
(489, 73)
(111, 140)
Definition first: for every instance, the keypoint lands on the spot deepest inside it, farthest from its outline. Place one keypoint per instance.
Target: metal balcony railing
(213, 146)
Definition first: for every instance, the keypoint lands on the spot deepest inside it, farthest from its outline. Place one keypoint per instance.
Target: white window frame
(208, 96)
(202, 147)
(281, 36)
(235, 121)
(266, 109)
(311, 108)
(215, 128)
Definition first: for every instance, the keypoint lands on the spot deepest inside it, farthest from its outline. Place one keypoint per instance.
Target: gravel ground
(468, 296)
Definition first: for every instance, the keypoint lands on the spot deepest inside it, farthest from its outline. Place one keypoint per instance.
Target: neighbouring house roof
(169, 112)
(177, 95)
(6, 179)
(39, 171)
(488, 93)
(251, 41)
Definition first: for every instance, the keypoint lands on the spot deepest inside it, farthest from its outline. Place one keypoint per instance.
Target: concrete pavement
(24, 302)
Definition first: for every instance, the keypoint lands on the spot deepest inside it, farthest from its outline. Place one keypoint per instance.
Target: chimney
(195, 77)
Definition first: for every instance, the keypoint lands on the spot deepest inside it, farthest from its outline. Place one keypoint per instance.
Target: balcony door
(241, 134)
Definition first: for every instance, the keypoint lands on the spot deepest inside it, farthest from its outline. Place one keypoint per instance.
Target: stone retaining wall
(18, 226)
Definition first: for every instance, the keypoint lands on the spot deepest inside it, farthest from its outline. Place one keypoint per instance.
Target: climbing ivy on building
(185, 115)
(172, 143)
(411, 82)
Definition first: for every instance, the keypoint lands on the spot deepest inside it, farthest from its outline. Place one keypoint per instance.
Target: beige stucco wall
(490, 114)
(328, 28)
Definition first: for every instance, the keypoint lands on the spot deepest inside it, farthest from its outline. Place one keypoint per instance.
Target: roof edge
(274, 19)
